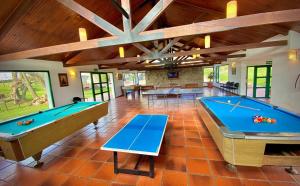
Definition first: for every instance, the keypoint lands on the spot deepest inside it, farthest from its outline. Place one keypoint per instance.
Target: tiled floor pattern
(188, 155)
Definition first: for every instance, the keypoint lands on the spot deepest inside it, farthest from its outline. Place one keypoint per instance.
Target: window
(129, 79)
(206, 72)
(217, 74)
(141, 76)
(222, 74)
(23, 93)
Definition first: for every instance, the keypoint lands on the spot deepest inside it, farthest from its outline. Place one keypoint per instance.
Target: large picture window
(23, 93)
(129, 79)
(141, 76)
(222, 74)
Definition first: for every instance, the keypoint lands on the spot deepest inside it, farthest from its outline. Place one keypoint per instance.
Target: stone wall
(186, 76)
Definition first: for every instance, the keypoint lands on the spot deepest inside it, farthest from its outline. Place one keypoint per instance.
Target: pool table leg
(95, 124)
(231, 167)
(37, 158)
(292, 170)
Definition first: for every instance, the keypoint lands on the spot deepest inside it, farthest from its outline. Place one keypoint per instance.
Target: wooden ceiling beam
(169, 45)
(230, 48)
(92, 17)
(166, 33)
(142, 48)
(186, 53)
(69, 60)
(127, 23)
(120, 8)
(152, 15)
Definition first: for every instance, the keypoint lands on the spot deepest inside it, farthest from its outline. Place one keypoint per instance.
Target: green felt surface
(12, 128)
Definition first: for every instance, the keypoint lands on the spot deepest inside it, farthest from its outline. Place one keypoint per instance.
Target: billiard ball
(20, 123)
(228, 101)
(28, 122)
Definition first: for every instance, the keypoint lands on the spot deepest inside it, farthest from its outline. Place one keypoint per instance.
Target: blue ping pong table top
(142, 135)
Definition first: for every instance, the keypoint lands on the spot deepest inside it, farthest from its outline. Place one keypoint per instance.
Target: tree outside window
(206, 72)
(141, 76)
(223, 74)
(129, 79)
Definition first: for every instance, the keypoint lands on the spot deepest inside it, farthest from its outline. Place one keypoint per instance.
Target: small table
(143, 135)
(177, 92)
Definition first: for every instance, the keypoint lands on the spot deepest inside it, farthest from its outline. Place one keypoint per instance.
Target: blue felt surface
(241, 119)
(143, 133)
(11, 127)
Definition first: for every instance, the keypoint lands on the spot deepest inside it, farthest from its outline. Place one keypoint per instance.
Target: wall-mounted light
(293, 55)
(72, 73)
(121, 52)
(207, 41)
(231, 9)
(82, 34)
(147, 61)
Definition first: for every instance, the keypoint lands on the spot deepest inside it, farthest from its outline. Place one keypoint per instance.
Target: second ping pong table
(177, 92)
(143, 135)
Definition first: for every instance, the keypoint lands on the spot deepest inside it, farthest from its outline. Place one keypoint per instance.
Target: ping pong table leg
(151, 164)
(116, 169)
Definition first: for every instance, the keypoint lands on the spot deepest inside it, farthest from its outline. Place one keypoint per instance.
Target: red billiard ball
(28, 122)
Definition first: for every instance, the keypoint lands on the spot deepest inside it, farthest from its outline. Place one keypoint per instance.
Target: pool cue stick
(236, 105)
(64, 109)
(233, 104)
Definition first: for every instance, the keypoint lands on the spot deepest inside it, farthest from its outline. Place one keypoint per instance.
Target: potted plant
(210, 77)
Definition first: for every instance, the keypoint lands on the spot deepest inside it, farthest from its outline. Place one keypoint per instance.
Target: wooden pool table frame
(247, 150)
(33, 142)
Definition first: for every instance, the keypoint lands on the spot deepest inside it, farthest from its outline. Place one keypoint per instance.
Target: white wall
(62, 95)
(285, 71)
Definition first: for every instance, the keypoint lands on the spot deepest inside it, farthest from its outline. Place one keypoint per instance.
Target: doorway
(259, 80)
(111, 85)
(95, 86)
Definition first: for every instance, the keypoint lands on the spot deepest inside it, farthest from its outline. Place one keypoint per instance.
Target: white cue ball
(229, 101)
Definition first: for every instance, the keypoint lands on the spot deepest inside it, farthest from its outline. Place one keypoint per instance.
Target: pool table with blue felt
(241, 141)
(18, 142)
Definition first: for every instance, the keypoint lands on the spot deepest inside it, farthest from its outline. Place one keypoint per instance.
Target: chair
(77, 99)
(236, 87)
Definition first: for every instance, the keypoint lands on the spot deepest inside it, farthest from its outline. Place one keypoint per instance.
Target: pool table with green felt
(18, 142)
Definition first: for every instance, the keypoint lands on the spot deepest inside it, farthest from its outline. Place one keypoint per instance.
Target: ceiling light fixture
(231, 9)
(207, 41)
(82, 34)
(121, 52)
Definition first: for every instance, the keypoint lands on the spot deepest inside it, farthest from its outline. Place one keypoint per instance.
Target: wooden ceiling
(29, 24)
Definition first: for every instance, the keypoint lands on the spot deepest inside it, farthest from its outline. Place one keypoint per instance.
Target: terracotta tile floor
(188, 155)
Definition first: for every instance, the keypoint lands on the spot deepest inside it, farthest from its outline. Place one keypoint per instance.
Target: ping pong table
(143, 135)
(177, 92)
